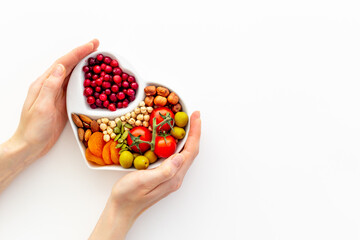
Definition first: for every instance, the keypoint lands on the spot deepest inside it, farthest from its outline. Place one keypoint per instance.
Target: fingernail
(58, 70)
(178, 160)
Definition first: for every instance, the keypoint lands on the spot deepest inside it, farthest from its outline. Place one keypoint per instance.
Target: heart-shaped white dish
(76, 103)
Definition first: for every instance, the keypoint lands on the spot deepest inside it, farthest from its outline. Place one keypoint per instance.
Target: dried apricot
(114, 153)
(96, 144)
(106, 153)
(92, 158)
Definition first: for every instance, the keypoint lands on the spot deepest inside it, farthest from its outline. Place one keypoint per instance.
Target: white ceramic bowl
(76, 103)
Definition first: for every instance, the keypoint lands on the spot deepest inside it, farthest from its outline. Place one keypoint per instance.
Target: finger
(153, 177)
(68, 61)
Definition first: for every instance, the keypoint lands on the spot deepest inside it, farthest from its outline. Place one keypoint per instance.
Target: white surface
(277, 83)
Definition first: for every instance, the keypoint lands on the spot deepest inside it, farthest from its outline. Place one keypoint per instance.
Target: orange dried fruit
(92, 158)
(114, 152)
(106, 153)
(96, 144)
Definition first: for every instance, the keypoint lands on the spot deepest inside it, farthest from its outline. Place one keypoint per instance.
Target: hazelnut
(150, 90)
(162, 91)
(173, 98)
(160, 101)
(149, 101)
(176, 108)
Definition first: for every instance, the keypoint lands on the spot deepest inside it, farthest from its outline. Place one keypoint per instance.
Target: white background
(277, 83)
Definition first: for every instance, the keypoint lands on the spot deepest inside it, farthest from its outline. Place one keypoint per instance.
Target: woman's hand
(139, 190)
(44, 115)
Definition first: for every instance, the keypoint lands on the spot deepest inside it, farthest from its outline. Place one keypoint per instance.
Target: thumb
(53, 84)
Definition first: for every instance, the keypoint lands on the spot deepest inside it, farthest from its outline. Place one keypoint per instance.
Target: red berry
(125, 103)
(120, 95)
(108, 69)
(98, 89)
(125, 84)
(98, 103)
(94, 77)
(115, 88)
(98, 82)
(131, 98)
(88, 91)
(97, 69)
(114, 63)
(117, 79)
(112, 107)
(88, 75)
(102, 74)
(124, 91)
(131, 79)
(91, 61)
(100, 57)
(119, 105)
(134, 85)
(106, 103)
(86, 69)
(103, 97)
(107, 91)
(130, 92)
(96, 95)
(93, 106)
(91, 100)
(117, 71)
(106, 85)
(102, 66)
(124, 76)
(107, 60)
(113, 97)
(87, 82)
(106, 77)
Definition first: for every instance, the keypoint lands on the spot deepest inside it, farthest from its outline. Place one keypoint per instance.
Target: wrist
(16, 148)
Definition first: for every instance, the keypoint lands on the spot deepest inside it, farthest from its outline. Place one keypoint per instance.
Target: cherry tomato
(164, 148)
(156, 114)
(144, 134)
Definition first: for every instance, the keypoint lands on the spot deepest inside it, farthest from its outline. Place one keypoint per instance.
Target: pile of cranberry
(106, 85)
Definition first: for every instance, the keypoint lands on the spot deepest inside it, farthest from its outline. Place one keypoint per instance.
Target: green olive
(126, 159)
(141, 162)
(178, 133)
(181, 119)
(151, 156)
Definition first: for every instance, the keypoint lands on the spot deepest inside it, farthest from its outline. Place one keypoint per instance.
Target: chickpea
(146, 117)
(133, 114)
(122, 118)
(145, 124)
(143, 110)
(140, 117)
(105, 120)
(99, 121)
(142, 104)
(137, 110)
(131, 121)
(127, 116)
(112, 124)
(109, 130)
(149, 109)
(106, 137)
(117, 120)
(103, 126)
(138, 123)
(113, 135)
(105, 132)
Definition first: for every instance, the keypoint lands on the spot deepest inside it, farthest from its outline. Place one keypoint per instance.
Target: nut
(138, 123)
(94, 126)
(122, 118)
(103, 126)
(173, 98)
(149, 101)
(162, 91)
(133, 114)
(137, 110)
(112, 124)
(140, 117)
(77, 120)
(86, 125)
(160, 101)
(145, 124)
(85, 119)
(142, 104)
(81, 134)
(146, 117)
(105, 120)
(87, 135)
(176, 108)
(106, 137)
(150, 90)
(143, 110)
(99, 121)
(149, 109)
(131, 121)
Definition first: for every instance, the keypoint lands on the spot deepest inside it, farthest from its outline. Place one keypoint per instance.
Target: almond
(77, 120)
(85, 119)
(86, 125)
(87, 135)
(81, 134)
(94, 126)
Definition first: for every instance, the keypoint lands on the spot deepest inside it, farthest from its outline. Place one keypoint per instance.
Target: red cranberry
(112, 107)
(117, 79)
(98, 89)
(131, 79)
(106, 77)
(125, 103)
(119, 105)
(106, 85)
(108, 69)
(100, 57)
(112, 97)
(102, 74)
(120, 95)
(103, 97)
(107, 91)
(88, 75)
(115, 88)
(88, 91)
(106, 103)
(131, 98)
(97, 69)
(124, 76)
(134, 85)
(93, 106)
(87, 82)
(124, 91)
(117, 71)
(125, 84)
(93, 83)
(98, 82)
(130, 92)
(98, 103)
(94, 77)
(86, 69)
(114, 63)
(91, 61)
(91, 100)
(107, 60)
(96, 95)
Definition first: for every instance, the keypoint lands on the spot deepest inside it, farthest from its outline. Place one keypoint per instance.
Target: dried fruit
(85, 119)
(160, 101)
(92, 158)
(106, 153)
(94, 126)
(87, 135)
(114, 152)
(96, 143)
(150, 90)
(173, 98)
(81, 134)
(77, 120)
(149, 101)
(162, 91)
